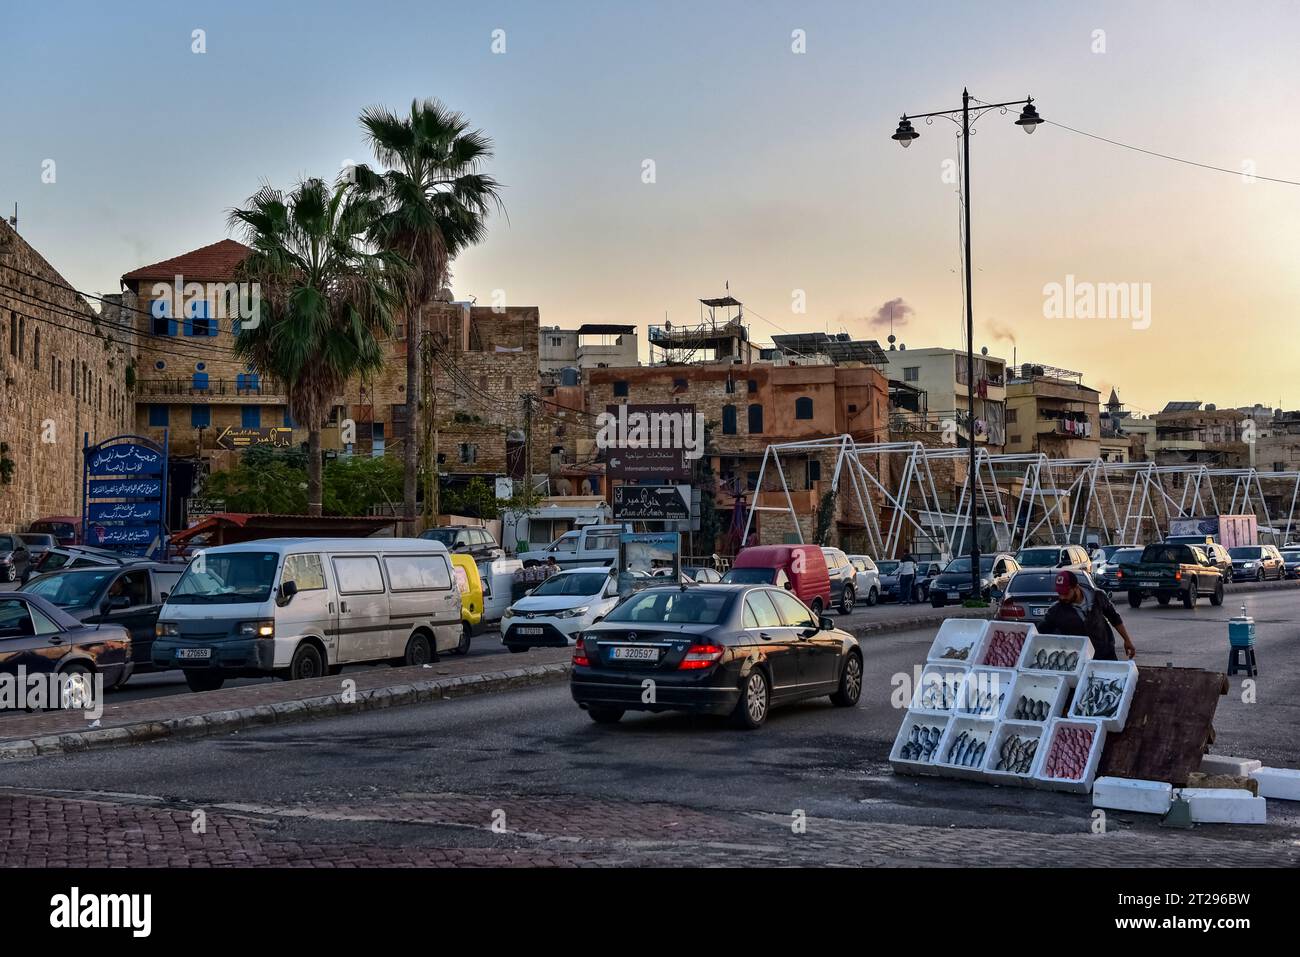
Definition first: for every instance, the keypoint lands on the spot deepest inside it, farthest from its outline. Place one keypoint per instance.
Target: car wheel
(418, 650)
(1135, 599)
(1190, 596)
(755, 698)
(605, 715)
(76, 688)
(816, 607)
(306, 664)
(847, 601)
(10, 573)
(873, 597)
(850, 689)
(1216, 599)
(204, 681)
(466, 636)
(1162, 600)
(1259, 576)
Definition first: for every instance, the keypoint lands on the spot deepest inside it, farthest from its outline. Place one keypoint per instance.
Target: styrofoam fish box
(1037, 686)
(938, 687)
(1082, 784)
(1107, 671)
(1080, 645)
(984, 692)
(978, 731)
(956, 635)
(1224, 764)
(1006, 635)
(1224, 806)
(1129, 794)
(921, 719)
(1005, 730)
(1281, 783)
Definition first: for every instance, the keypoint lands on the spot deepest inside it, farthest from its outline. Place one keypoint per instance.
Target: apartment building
(1050, 411)
(590, 346)
(941, 374)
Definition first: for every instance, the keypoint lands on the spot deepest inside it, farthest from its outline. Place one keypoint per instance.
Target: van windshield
(220, 579)
(750, 576)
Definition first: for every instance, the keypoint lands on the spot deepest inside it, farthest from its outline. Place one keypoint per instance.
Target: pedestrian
(906, 578)
(1082, 609)
(552, 566)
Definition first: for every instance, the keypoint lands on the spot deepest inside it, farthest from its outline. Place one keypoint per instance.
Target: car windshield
(445, 535)
(750, 576)
(1033, 583)
(1039, 557)
(573, 583)
(1126, 555)
(674, 607)
(1246, 551)
(887, 568)
(70, 589)
(54, 561)
(963, 565)
(229, 577)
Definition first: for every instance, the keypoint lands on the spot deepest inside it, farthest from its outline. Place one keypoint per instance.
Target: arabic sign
(654, 454)
(652, 503)
(131, 513)
(125, 459)
(126, 488)
(232, 438)
(108, 536)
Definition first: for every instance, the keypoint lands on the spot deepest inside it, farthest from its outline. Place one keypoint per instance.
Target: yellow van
(471, 599)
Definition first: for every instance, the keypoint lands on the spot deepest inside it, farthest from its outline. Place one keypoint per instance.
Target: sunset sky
(774, 170)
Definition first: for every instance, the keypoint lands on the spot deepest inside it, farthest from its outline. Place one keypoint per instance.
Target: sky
(768, 126)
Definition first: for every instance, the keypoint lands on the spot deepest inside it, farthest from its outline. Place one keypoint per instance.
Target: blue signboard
(124, 491)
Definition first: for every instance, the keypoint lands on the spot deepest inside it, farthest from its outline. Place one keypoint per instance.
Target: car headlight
(508, 613)
(165, 629)
(573, 612)
(262, 628)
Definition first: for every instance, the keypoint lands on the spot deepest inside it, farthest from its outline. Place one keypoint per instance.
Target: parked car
(15, 559)
(888, 571)
(1291, 557)
(844, 579)
(1102, 554)
(1075, 558)
(127, 595)
(797, 568)
(580, 548)
(555, 611)
(926, 573)
(1171, 571)
(1107, 577)
(83, 556)
(472, 540)
(470, 586)
(735, 650)
(954, 585)
(1028, 596)
(298, 607)
(702, 574)
(66, 529)
(38, 543)
(40, 637)
(868, 578)
(1256, 563)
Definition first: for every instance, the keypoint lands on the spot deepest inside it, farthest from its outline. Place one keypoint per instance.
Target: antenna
(13, 220)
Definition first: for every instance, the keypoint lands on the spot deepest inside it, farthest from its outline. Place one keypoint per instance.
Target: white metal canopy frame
(1024, 498)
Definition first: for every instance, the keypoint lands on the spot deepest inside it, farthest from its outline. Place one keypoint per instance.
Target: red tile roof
(208, 264)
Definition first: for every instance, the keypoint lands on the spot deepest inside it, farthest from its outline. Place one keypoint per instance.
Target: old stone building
(66, 371)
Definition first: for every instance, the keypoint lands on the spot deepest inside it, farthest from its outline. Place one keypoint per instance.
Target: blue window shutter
(288, 418)
(159, 416)
(200, 380)
(200, 416)
(250, 416)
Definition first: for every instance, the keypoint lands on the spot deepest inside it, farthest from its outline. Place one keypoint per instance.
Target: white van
(498, 578)
(301, 607)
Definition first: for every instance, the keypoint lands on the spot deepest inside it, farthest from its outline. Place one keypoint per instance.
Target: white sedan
(867, 578)
(552, 614)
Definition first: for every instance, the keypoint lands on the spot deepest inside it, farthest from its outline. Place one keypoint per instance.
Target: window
(36, 349)
(620, 388)
(198, 321)
(728, 420)
(22, 336)
(358, 575)
(164, 582)
(15, 622)
(417, 572)
(751, 480)
(753, 386)
(468, 453)
(814, 471)
(199, 382)
(755, 419)
(249, 381)
(852, 408)
(794, 613)
(679, 385)
(803, 407)
(1011, 415)
(305, 571)
(159, 416)
(759, 603)
(161, 323)
(602, 540)
(200, 416)
(13, 333)
(911, 373)
(288, 418)
(731, 385)
(376, 439)
(250, 416)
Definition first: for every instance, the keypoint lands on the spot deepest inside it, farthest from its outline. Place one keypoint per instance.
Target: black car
(1291, 556)
(954, 585)
(728, 649)
(844, 579)
(40, 637)
(15, 559)
(1106, 574)
(126, 595)
(38, 543)
(472, 540)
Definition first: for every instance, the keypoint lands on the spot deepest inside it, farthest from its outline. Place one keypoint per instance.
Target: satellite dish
(984, 350)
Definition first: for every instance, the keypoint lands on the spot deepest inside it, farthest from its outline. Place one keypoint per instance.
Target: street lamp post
(905, 133)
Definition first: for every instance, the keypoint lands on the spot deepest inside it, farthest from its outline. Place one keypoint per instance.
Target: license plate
(1038, 611)
(629, 653)
(194, 654)
(1150, 584)
(529, 631)
(954, 594)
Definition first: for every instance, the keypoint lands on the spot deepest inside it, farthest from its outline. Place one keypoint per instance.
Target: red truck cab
(800, 568)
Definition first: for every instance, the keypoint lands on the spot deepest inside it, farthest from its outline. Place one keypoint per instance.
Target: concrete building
(67, 371)
(941, 375)
(1051, 411)
(590, 346)
(1186, 433)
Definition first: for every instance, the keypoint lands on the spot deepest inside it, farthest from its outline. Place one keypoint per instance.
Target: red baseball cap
(1065, 582)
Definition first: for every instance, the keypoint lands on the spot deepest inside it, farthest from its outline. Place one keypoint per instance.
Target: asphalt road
(828, 762)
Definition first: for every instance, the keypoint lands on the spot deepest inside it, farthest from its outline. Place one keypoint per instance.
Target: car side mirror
(164, 595)
(824, 623)
(287, 591)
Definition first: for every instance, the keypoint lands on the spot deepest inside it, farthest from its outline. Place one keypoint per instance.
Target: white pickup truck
(586, 546)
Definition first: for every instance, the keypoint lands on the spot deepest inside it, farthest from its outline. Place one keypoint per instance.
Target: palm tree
(325, 297)
(436, 205)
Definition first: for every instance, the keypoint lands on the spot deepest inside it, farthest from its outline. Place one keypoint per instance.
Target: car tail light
(1119, 574)
(1010, 609)
(1178, 576)
(700, 656)
(580, 653)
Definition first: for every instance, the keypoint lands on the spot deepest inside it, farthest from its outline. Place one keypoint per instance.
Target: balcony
(232, 391)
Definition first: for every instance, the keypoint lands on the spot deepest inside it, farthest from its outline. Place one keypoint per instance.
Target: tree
(476, 499)
(325, 299)
(435, 205)
(272, 483)
(825, 516)
(353, 484)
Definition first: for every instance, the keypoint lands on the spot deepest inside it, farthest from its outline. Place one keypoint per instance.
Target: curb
(285, 712)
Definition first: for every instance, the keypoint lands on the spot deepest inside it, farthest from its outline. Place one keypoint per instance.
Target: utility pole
(528, 440)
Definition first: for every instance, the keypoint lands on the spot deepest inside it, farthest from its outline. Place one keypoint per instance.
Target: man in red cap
(1081, 609)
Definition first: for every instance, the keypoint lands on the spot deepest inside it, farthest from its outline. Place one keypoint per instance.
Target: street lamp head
(905, 134)
(1029, 117)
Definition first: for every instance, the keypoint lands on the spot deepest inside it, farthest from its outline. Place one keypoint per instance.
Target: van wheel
(847, 600)
(1216, 599)
(816, 606)
(466, 635)
(1135, 599)
(418, 651)
(204, 680)
(306, 663)
(873, 596)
